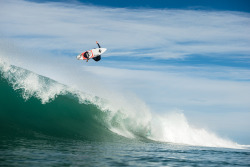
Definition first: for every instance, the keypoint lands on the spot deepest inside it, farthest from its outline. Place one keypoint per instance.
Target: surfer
(94, 54)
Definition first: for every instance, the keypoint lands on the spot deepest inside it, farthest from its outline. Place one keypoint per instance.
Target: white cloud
(176, 89)
(172, 33)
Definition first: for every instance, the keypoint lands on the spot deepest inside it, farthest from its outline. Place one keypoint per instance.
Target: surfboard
(93, 53)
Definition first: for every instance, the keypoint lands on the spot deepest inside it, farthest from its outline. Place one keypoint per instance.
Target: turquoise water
(42, 123)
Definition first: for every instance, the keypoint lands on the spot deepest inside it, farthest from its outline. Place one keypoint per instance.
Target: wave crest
(131, 121)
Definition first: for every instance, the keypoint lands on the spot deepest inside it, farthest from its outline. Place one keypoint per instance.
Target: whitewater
(131, 121)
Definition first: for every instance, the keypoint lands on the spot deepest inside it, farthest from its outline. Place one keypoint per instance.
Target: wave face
(23, 113)
(35, 106)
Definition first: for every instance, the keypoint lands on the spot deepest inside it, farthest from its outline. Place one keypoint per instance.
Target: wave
(34, 105)
(39, 105)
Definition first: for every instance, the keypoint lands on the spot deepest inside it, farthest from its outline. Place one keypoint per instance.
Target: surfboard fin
(97, 58)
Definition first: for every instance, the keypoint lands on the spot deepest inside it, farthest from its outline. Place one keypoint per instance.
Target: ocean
(45, 123)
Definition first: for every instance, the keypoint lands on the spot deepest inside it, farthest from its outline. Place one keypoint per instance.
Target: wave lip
(88, 116)
(40, 97)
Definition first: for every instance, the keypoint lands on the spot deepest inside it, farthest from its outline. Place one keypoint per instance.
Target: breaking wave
(34, 105)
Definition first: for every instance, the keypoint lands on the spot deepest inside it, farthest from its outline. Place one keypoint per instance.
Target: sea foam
(124, 118)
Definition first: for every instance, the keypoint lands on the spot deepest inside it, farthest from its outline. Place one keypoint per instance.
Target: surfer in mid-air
(92, 54)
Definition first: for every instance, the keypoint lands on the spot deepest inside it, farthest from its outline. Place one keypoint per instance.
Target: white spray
(134, 115)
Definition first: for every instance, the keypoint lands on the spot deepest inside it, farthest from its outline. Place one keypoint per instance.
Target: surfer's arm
(98, 44)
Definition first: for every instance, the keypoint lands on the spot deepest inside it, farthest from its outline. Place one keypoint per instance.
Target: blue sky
(230, 5)
(187, 56)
